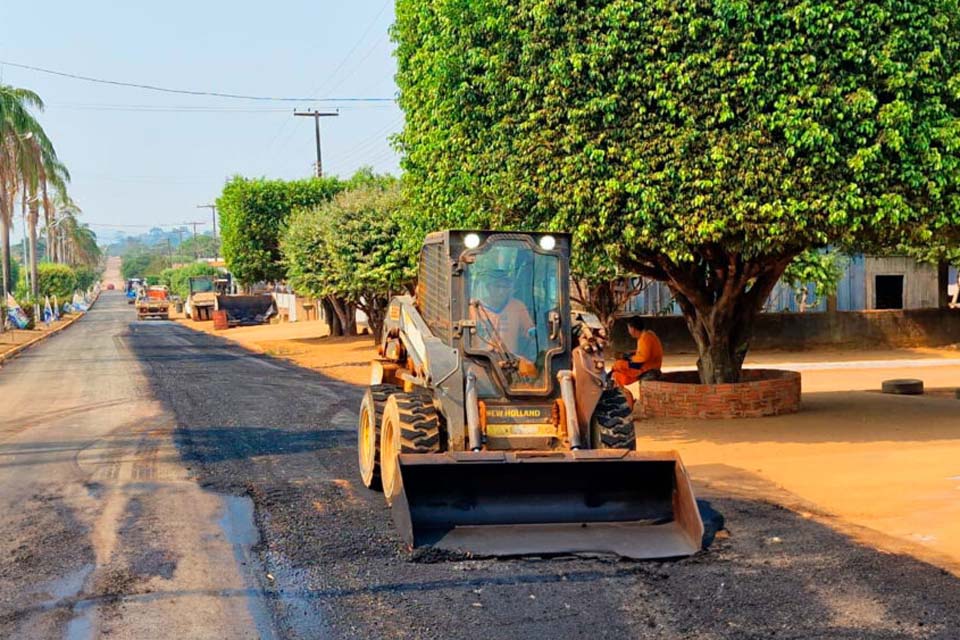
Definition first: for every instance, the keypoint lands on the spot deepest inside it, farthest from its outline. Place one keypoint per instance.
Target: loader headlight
(547, 243)
(471, 241)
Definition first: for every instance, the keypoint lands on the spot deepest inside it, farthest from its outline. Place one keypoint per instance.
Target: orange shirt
(649, 351)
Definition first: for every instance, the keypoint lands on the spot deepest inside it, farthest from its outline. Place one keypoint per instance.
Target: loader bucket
(636, 505)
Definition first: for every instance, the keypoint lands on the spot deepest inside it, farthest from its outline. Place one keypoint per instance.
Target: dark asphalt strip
(283, 435)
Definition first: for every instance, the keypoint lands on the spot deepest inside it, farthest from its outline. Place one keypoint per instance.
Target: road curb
(20, 348)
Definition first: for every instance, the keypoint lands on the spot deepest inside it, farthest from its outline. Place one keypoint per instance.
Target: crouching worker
(642, 364)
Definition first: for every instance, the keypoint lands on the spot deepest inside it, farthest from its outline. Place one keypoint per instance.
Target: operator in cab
(642, 364)
(503, 321)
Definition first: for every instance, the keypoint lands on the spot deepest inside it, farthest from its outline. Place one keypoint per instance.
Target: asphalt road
(158, 482)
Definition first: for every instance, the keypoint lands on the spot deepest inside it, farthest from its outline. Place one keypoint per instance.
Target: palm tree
(76, 242)
(17, 127)
(40, 169)
(63, 208)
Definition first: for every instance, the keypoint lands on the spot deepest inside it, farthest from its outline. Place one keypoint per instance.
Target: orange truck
(153, 302)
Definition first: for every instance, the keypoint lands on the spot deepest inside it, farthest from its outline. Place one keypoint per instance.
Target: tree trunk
(32, 219)
(376, 311)
(943, 285)
(720, 295)
(607, 299)
(5, 242)
(331, 317)
(722, 345)
(349, 318)
(346, 315)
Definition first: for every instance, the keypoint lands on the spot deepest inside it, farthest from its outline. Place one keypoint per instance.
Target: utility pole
(213, 212)
(196, 247)
(316, 115)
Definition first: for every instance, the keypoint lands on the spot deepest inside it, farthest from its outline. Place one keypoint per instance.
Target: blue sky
(145, 158)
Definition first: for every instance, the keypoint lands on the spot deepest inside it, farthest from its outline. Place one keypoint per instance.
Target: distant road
(112, 272)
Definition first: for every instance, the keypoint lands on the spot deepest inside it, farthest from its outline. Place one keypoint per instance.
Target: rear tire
(611, 426)
(368, 432)
(410, 425)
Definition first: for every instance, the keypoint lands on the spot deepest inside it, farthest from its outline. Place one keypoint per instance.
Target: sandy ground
(286, 437)
(306, 344)
(890, 465)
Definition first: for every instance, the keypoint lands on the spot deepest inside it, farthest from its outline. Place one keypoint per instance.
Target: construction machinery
(153, 302)
(202, 301)
(491, 423)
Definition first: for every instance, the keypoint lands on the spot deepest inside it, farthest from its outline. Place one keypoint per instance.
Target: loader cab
(498, 298)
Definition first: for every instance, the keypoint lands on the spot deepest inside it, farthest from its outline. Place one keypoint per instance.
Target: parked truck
(153, 302)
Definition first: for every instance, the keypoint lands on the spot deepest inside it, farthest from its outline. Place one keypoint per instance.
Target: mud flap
(633, 504)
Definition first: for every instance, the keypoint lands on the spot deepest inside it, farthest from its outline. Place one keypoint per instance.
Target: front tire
(410, 425)
(368, 432)
(611, 426)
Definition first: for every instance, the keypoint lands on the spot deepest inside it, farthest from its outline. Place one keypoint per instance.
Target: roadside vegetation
(349, 251)
(33, 175)
(178, 280)
(705, 148)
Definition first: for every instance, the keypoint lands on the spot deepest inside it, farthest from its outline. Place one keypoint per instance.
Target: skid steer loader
(491, 424)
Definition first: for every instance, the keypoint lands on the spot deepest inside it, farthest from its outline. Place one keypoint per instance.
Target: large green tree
(349, 251)
(253, 213)
(704, 144)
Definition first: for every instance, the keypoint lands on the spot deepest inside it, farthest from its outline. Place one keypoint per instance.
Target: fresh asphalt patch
(331, 564)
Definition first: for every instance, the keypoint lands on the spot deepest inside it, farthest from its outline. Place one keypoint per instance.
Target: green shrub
(86, 276)
(178, 280)
(53, 280)
(56, 280)
(253, 214)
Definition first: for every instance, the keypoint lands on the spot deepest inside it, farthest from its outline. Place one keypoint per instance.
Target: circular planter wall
(761, 392)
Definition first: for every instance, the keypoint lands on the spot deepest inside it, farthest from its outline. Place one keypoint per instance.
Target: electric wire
(190, 92)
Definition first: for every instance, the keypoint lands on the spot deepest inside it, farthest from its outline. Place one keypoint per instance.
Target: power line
(199, 109)
(269, 153)
(359, 63)
(371, 142)
(353, 49)
(189, 92)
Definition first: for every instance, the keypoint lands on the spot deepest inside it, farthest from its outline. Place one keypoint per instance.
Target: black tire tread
(612, 421)
(419, 424)
(380, 393)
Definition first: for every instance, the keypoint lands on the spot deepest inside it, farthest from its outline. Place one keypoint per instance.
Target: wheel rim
(389, 448)
(366, 446)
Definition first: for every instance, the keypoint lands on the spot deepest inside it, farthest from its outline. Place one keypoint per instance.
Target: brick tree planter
(761, 392)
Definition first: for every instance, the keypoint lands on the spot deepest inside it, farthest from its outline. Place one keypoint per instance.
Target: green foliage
(253, 214)
(86, 276)
(52, 280)
(178, 280)
(14, 271)
(822, 269)
(202, 246)
(141, 263)
(134, 265)
(350, 249)
(704, 145)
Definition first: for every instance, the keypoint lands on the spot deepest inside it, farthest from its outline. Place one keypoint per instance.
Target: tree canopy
(253, 213)
(702, 144)
(349, 250)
